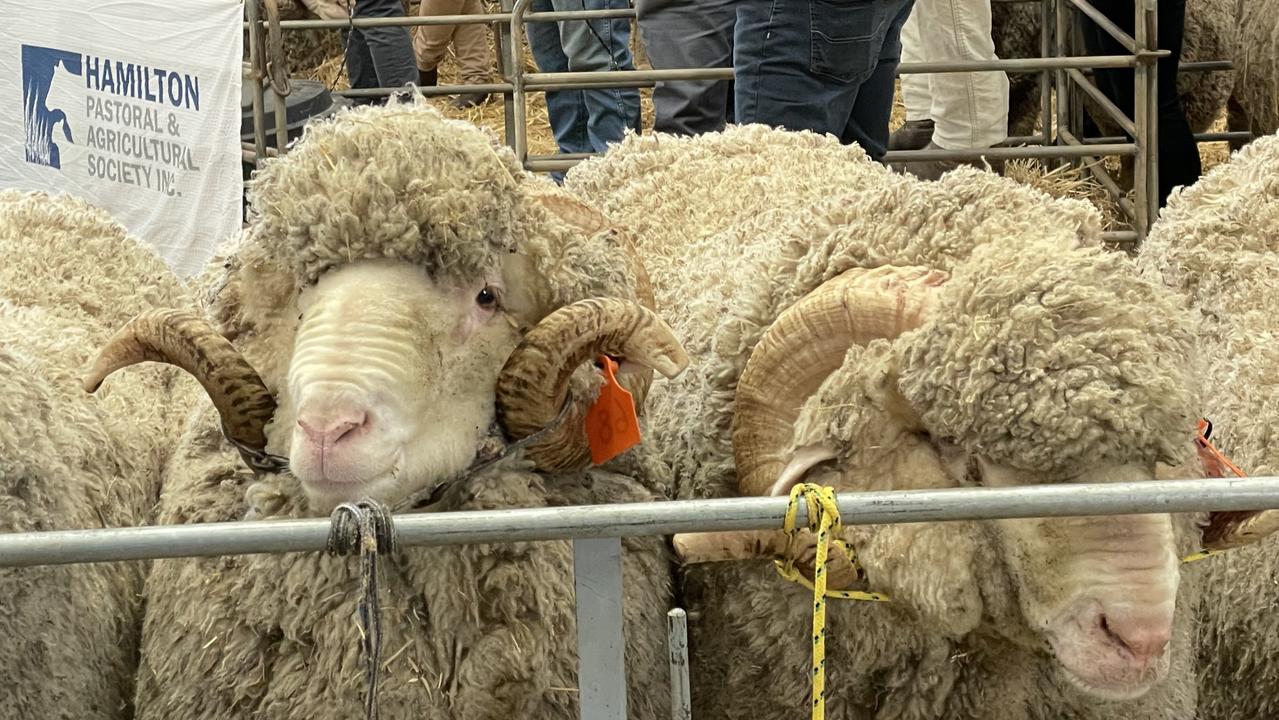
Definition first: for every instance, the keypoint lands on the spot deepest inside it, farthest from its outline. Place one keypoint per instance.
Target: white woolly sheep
(394, 261)
(1218, 243)
(67, 461)
(871, 331)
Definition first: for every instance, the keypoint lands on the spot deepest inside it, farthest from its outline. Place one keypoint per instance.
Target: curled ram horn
(737, 545)
(805, 345)
(533, 386)
(186, 340)
(1228, 530)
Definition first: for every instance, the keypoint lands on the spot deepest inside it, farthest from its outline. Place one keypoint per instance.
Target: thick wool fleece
(1218, 243)
(1211, 33)
(70, 278)
(737, 227)
(475, 632)
(1256, 90)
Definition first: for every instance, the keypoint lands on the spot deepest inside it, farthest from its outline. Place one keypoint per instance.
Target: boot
(470, 100)
(934, 169)
(914, 135)
(428, 78)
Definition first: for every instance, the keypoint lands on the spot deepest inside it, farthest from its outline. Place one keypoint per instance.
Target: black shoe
(428, 78)
(914, 135)
(470, 100)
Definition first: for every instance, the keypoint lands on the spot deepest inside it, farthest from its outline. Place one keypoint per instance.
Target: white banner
(133, 106)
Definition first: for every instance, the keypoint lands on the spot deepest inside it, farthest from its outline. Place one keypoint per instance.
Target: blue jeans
(381, 56)
(585, 120)
(681, 35)
(820, 65)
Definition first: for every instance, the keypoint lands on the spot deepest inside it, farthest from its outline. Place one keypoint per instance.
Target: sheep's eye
(487, 298)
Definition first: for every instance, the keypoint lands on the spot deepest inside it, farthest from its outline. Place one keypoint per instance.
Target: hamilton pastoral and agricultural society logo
(114, 120)
(39, 66)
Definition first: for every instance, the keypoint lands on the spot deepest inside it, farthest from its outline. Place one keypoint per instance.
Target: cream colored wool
(70, 277)
(485, 631)
(1218, 243)
(1256, 92)
(736, 227)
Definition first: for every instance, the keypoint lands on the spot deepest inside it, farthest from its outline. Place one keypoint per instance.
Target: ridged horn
(534, 382)
(805, 345)
(1227, 530)
(184, 339)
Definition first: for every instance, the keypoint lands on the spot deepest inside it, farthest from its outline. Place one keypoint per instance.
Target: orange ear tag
(612, 427)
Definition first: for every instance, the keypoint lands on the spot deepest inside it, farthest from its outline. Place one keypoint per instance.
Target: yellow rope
(823, 519)
(1195, 557)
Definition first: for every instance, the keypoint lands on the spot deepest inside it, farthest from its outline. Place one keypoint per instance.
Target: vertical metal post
(520, 99)
(1142, 77)
(1152, 116)
(278, 72)
(505, 53)
(677, 644)
(256, 73)
(601, 650)
(1062, 10)
(1046, 25)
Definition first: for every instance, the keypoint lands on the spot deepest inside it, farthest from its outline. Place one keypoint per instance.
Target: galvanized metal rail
(642, 519)
(596, 532)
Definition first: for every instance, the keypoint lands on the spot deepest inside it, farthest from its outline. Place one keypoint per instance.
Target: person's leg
(472, 45)
(390, 47)
(798, 63)
(431, 42)
(565, 108)
(970, 109)
(1179, 162)
(680, 34)
(473, 56)
(916, 93)
(359, 64)
(868, 123)
(598, 45)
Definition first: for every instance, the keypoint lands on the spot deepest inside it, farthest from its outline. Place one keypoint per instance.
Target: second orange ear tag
(612, 426)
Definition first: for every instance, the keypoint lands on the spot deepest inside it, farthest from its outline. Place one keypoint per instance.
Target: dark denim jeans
(379, 57)
(820, 65)
(585, 120)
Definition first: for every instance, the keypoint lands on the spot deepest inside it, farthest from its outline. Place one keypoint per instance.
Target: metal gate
(1063, 77)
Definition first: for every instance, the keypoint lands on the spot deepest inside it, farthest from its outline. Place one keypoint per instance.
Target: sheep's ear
(803, 461)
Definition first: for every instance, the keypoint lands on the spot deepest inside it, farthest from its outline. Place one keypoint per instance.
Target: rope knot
(365, 528)
(824, 521)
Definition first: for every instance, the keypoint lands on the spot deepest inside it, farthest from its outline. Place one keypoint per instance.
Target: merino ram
(866, 330)
(70, 276)
(405, 296)
(1218, 243)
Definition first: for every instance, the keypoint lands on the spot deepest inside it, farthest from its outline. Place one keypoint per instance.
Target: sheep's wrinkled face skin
(1100, 590)
(391, 383)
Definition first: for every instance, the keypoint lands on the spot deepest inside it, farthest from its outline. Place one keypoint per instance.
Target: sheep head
(414, 301)
(1027, 365)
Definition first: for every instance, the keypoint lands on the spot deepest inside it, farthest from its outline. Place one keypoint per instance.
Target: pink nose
(1146, 641)
(327, 432)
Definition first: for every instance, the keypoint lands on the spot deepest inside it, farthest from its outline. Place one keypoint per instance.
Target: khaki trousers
(470, 42)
